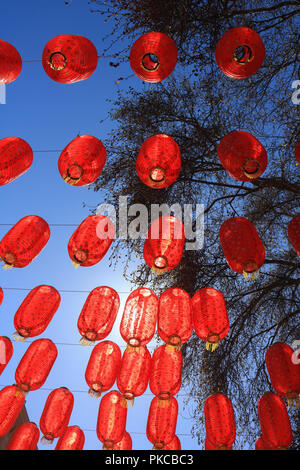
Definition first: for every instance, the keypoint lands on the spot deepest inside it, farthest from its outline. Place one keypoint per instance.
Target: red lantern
(91, 240)
(297, 151)
(98, 315)
(161, 424)
(11, 63)
(24, 241)
(219, 421)
(294, 233)
(36, 364)
(242, 156)
(274, 421)
(56, 414)
(71, 439)
(25, 437)
(284, 372)
(173, 445)
(16, 158)
(111, 422)
(125, 443)
(260, 444)
(158, 163)
(133, 376)
(164, 244)
(139, 318)
(211, 321)
(6, 352)
(240, 52)
(210, 446)
(175, 320)
(68, 58)
(166, 373)
(102, 368)
(1, 295)
(82, 161)
(242, 247)
(12, 400)
(36, 312)
(153, 57)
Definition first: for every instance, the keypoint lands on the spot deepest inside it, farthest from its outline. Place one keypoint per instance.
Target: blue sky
(48, 116)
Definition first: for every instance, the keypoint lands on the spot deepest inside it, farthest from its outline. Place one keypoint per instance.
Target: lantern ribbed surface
(16, 158)
(12, 400)
(111, 424)
(6, 352)
(103, 366)
(72, 439)
(10, 63)
(166, 373)
(56, 414)
(274, 421)
(25, 437)
(161, 424)
(294, 233)
(219, 421)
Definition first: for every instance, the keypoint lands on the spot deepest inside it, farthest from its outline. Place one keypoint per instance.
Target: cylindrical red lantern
(16, 158)
(164, 244)
(294, 233)
(240, 52)
(82, 161)
(158, 163)
(242, 247)
(242, 156)
(1, 295)
(111, 422)
(102, 368)
(36, 311)
(139, 318)
(69, 58)
(25, 437)
(125, 443)
(166, 373)
(56, 414)
(211, 321)
(12, 400)
(161, 424)
(6, 352)
(11, 63)
(153, 57)
(175, 317)
(36, 364)
(219, 421)
(71, 439)
(297, 151)
(98, 314)
(91, 240)
(175, 444)
(260, 444)
(24, 241)
(284, 372)
(133, 376)
(274, 421)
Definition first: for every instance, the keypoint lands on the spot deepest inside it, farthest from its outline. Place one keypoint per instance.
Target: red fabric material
(175, 316)
(260, 444)
(253, 57)
(10, 64)
(56, 413)
(175, 444)
(125, 443)
(210, 446)
(284, 374)
(112, 417)
(25, 437)
(166, 372)
(16, 158)
(162, 420)
(163, 47)
(75, 56)
(103, 366)
(72, 439)
(6, 352)
(274, 421)
(294, 233)
(133, 376)
(219, 420)
(12, 400)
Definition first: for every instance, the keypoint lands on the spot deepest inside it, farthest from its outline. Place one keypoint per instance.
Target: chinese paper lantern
(35, 365)
(91, 240)
(125, 443)
(153, 57)
(294, 233)
(166, 373)
(82, 161)
(25, 437)
(102, 368)
(111, 422)
(175, 317)
(242, 247)
(175, 444)
(69, 58)
(6, 352)
(240, 52)
(260, 444)
(24, 241)
(211, 321)
(16, 158)
(12, 400)
(71, 439)
(56, 414)
(242, 156)
(297, 151)
(133, 376)
(139, 318)
(36, 312)
(274, 421)
(210, 446)
(164, 244)
(98, 314)
(219, 421)
(10, 64)
(284, 372)
(158, 163)
(1, 295)
(161, 424)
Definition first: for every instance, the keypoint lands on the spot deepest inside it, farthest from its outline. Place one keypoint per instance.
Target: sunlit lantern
(56, 414)
(274, 421)
(161, 424)
(72, 439)
(125, 443)
(166, 373)
(16, 157)
(294, 233)
(6, 352)
(12, 400)
(111, 424)
(10, 63)
(25, 437)
(219, 421)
